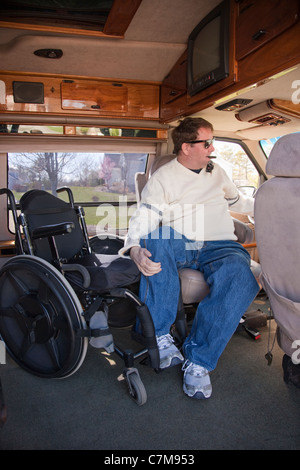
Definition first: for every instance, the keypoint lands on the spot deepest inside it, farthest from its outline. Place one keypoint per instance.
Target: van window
(267, 145)
(99, 181)
(115, 132)
(234, 160)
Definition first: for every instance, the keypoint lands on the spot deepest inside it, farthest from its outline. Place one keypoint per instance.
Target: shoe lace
(164, 341)
(194, 369)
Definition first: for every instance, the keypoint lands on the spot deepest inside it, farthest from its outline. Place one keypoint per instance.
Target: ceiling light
(233, 105)
(49, 53)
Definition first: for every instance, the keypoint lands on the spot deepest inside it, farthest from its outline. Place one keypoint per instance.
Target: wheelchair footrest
(92, 332)
(98, 323)
(99, 332)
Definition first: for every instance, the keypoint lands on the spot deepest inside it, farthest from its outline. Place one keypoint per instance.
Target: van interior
(100, 86)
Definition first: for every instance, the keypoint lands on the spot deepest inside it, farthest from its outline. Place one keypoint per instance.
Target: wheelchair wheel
(39, 317)
(136, 387)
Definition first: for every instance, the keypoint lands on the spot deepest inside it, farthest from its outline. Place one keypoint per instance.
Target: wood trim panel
(182, 104)
(175, 82)
(129, 100)
(260, 21)
(120, 17)
(110, 97)
(287, 107)
(277, 55)
(280, 54)
(57, 29)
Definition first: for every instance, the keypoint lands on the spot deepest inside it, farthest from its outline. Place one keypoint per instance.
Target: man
(183, 221)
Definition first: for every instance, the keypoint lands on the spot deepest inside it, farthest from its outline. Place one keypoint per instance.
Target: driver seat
(277, 228)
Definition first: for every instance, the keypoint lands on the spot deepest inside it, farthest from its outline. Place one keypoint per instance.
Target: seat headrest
(160, 161)
(284, 159)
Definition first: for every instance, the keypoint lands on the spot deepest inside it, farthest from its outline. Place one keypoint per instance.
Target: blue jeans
(225, 265)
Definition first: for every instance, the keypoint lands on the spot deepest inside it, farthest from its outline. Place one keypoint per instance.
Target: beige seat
(193, 286)
(277, 227)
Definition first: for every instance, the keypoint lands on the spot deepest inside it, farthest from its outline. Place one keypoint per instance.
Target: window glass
(97, 180)
(267, 145)
(116, 132)
(234, 160)
(90, 131)
(30, 129)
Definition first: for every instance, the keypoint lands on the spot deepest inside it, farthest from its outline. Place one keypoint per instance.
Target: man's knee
(241, 271)
(239, 263)
(234, 266)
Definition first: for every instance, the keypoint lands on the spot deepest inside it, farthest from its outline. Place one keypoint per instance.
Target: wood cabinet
(175, 100)
(175, 82)
(264, 41)
(260, 21)
(74, 96)
(105, 97)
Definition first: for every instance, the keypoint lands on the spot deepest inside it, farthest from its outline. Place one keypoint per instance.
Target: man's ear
(185, 148)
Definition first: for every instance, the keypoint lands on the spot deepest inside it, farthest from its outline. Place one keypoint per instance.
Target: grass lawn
(104, 216)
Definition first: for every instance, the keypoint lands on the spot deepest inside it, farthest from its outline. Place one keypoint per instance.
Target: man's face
(200, 151)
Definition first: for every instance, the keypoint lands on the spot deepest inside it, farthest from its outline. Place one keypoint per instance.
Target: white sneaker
(168, 353)
(196, 381)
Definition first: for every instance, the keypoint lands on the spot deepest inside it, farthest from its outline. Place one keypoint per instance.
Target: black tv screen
(208, 50)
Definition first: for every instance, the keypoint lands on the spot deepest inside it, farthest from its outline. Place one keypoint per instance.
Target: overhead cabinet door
(260, 21)
(112, 97)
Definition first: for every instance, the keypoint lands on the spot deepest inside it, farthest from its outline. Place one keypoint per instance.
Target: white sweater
(195, 205)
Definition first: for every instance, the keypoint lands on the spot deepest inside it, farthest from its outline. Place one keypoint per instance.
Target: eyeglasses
(207, 143)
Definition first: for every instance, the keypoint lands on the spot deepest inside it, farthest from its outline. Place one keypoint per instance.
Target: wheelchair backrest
(40, 209)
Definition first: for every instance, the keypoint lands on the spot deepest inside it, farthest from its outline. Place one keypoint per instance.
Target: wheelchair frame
(42, 321)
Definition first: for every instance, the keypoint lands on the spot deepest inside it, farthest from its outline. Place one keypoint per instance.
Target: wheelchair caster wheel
(136, 387)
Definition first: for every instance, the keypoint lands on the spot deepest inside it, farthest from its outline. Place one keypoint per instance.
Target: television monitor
(208, 50)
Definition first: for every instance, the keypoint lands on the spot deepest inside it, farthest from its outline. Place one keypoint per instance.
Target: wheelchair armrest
(52, 230)
(81, 269)
(243, 232)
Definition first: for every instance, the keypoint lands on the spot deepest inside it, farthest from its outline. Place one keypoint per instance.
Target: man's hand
(141, 258)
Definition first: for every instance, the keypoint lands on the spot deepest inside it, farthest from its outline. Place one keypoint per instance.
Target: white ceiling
(278, 87)
(154, 40)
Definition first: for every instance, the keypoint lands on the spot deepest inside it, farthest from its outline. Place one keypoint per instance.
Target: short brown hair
(188, 130)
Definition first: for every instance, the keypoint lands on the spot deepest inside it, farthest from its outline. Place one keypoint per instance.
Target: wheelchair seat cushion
(106, 272)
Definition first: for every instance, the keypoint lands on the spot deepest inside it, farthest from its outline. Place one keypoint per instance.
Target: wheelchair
(60, 291)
